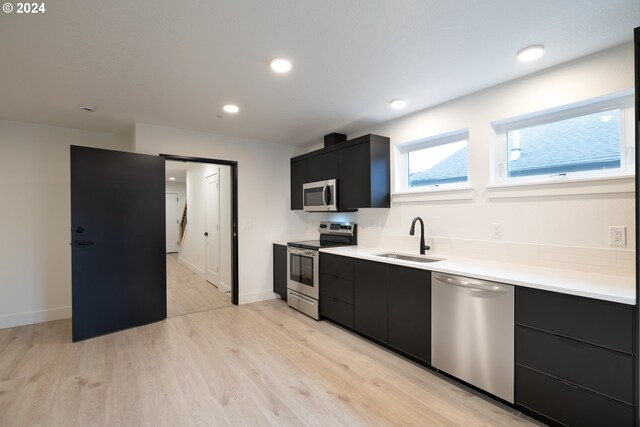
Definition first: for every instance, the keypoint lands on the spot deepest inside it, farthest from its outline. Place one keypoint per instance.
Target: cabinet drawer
(337, 287)
(596, 368)
(569, 404)
(337, 266)
(336, 310)
(599, 322)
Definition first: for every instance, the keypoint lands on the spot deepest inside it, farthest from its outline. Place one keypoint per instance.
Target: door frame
(234, 212)
(177, 214)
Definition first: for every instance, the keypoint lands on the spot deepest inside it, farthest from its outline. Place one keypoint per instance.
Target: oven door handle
(305, 252)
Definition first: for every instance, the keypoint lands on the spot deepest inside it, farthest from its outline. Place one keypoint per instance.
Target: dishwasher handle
(477, 286)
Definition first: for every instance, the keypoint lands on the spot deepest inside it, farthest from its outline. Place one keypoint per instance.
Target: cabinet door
(370, 299)
(409, 311)
(355, 177)
(280, 270)
(298, 178)
(324, 166)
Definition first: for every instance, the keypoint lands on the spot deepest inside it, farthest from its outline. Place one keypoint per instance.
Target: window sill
(606, 185)
(465, 192)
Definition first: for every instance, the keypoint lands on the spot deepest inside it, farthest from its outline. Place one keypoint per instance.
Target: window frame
(621, 101)
(402, 161)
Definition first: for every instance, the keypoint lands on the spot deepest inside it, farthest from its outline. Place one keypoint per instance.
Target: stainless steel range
(303, 264)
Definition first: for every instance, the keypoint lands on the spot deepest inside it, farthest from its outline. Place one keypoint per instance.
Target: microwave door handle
(324, 196)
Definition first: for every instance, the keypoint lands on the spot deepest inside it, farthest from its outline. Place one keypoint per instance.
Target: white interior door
(171, 208)
(212, 228)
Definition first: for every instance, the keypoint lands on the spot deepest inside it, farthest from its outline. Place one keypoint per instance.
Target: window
(586, 141)
(434, 162)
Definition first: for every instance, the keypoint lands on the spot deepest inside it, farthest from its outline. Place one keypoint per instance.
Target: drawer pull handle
(572, 340)
(335, 276)
(568, 384)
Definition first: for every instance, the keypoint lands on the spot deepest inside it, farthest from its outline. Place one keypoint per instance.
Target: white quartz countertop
(599, 286)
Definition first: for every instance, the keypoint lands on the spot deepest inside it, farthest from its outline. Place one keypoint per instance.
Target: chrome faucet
(423, 247)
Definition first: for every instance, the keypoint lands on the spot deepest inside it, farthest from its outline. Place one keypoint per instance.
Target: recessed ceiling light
(280, 65)
(171, 178)
(231, 108)
(398, 103)
(87, 107)
(530, 53)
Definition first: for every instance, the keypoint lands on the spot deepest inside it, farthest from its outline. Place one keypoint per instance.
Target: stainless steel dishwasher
(472, 328)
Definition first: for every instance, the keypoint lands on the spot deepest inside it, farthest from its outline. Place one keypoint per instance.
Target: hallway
(188, 293)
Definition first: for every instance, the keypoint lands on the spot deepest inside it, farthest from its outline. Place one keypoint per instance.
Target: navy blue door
(118, 241)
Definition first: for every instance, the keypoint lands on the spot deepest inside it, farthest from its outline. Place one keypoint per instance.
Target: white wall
(35, 256)
(577, 220)
(181, 189)
(263, 195)
(192, 253)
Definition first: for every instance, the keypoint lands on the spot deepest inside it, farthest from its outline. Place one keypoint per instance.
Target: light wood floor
(189, 293)
(257, 364)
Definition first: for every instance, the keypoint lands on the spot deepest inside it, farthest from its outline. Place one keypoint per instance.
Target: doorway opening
(201, 218)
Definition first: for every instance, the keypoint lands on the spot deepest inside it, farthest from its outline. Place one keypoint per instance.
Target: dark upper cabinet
(324, 166)
(409, 311)
(370, 299)
(298, 178)
(361, 166)
(365, 174)
(280, 270)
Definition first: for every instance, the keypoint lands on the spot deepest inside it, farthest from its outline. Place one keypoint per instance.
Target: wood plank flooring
(256, 364)
(189, 293)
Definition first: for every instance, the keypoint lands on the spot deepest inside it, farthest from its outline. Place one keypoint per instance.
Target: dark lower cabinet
(280, 270)
(575, 359)
(370, 299)
(565, 403)
(336, 289)
(409, 311)
(392, 304)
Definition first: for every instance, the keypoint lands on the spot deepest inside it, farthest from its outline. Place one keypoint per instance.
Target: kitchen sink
(413, 258)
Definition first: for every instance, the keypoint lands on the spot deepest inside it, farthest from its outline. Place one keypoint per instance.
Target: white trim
(463, 192)
(224, 287)
(31, 317)
(256, 296)
(621, 100)
(198, 271)
(604, 185)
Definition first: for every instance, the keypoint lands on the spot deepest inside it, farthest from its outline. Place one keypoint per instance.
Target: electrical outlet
(496, 231)
(618, 235)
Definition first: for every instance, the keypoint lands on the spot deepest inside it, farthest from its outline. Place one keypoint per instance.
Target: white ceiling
(175, 63)
(177, 170)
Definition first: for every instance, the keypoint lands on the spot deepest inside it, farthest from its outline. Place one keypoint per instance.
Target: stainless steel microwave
(320, 196)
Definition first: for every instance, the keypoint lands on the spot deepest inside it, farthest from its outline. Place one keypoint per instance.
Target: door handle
(84, 243)
(206, 234)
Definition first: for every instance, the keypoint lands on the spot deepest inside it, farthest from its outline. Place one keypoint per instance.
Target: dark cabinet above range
(361, 166)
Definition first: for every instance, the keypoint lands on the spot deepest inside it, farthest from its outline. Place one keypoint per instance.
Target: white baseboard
(224, 287)
(257, 296)
(192, 267)
(31, 317)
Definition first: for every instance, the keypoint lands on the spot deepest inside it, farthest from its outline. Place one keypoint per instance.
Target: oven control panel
(339, 228)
